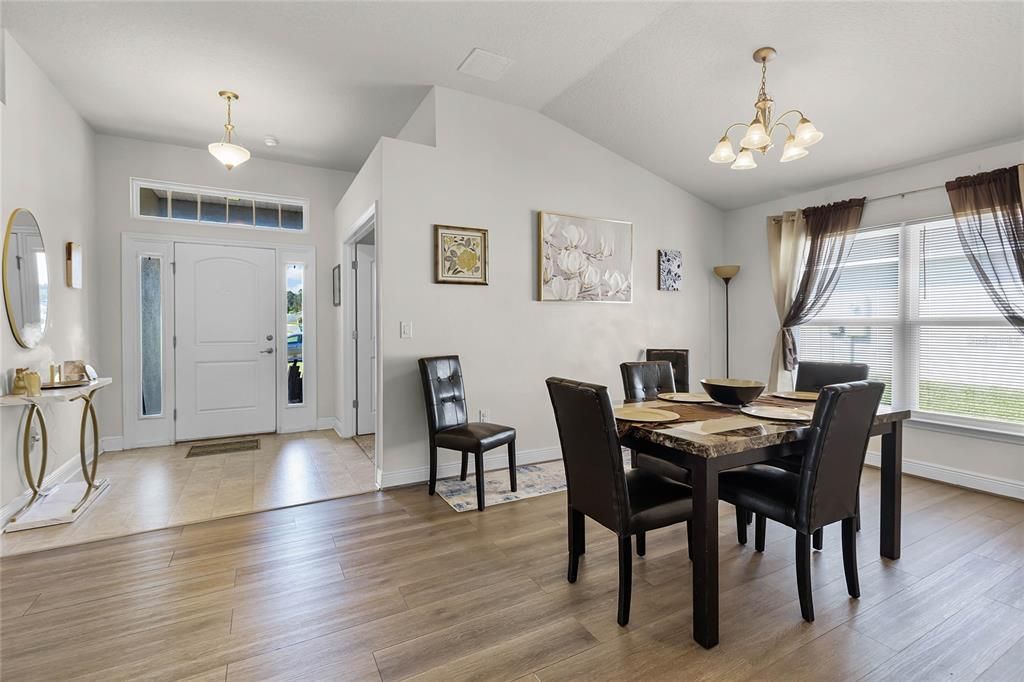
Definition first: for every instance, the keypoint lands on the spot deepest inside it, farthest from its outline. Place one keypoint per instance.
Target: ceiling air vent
(484, 64)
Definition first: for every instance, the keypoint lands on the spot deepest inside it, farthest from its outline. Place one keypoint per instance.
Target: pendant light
(758, 133)
(229, 154)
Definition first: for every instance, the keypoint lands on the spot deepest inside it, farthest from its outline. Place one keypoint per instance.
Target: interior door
(224, 315)
(366, 339)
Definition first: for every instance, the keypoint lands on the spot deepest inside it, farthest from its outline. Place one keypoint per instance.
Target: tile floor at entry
(154, 488)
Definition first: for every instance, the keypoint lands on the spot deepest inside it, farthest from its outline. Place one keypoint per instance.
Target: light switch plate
(405, 330)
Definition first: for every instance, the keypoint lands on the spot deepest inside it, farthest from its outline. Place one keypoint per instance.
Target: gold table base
(35, 480)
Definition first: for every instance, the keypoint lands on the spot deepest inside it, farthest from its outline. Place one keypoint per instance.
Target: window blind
(873, 345)
(869, 281)
(909, 304)
(946, 283)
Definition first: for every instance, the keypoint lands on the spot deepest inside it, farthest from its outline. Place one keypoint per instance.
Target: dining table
(709, 438)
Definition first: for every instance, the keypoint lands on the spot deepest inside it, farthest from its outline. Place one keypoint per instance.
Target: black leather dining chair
(680, 359)
(627, 503)
(449, 427)
(825, 490)
(812, 376)
(645, 380)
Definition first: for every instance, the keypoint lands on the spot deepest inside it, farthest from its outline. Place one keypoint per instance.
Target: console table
(65, 502)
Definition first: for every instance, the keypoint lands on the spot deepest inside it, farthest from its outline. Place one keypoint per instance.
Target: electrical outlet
(405, 330)
(485, 415)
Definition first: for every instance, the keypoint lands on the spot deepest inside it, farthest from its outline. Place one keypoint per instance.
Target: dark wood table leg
(892, 490)
(705, 553)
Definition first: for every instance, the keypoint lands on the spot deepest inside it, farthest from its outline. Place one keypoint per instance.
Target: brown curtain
(990, 222)
(830, 232)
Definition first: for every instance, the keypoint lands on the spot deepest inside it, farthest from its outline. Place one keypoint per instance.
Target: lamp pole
(726, 273)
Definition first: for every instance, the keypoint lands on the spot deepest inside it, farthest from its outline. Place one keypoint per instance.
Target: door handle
(267, 351)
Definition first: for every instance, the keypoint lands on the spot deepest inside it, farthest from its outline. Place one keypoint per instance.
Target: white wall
(754, 321)
(47, 167)
(119, 159)
(495, 166)
(363, 195)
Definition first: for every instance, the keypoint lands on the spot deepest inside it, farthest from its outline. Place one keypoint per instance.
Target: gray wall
(47, 167)
(494, 166)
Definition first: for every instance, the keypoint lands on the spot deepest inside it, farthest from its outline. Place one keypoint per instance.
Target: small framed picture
(460, 255)
(336, 284)
(73, 265)
(670, 269)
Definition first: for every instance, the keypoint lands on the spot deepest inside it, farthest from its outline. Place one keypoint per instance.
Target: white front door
(366, 339)
(225, 357)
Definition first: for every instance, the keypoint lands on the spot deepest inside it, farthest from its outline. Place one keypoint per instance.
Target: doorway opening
(361, 343)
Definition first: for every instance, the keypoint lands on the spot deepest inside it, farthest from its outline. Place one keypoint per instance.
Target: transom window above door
(158, 200)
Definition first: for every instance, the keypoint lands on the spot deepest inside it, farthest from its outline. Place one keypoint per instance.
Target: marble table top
(56, 395)
(731, 433)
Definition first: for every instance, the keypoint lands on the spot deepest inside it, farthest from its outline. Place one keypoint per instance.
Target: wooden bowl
(733, 391)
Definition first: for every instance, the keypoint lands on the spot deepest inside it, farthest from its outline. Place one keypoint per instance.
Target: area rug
(533, 480)
(367, 444)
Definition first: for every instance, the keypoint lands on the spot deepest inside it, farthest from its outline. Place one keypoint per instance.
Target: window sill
(994, 431)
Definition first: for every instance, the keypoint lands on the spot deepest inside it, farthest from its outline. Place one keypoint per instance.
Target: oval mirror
(26, 284)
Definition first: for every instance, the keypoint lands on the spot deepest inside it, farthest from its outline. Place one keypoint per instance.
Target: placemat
(695, 412)
(785, 402)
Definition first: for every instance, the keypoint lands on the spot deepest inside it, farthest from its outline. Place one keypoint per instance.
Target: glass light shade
(807, 134)
(745, 161)
(230, 155)
(756, 136)
(792, 151)
(726, 271)
(723, 152)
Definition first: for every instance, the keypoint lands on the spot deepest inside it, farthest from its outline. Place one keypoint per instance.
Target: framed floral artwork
(584, 259)
(670, 269)
(460, 255)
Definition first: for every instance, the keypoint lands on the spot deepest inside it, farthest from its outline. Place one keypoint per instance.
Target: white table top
(56, 395)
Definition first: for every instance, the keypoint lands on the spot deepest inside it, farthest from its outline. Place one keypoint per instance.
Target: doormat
(224, 447)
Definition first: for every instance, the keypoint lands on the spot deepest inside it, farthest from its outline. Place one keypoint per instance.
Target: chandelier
(229, 154)
(759, 131)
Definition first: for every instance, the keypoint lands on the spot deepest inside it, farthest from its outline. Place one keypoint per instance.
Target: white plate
(808, 396)
(685, 397)
(645, 414)
(789, 414)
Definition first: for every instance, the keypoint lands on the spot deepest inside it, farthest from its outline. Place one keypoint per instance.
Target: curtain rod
(903, 194)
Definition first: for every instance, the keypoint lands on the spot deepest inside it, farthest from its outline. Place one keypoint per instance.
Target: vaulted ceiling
(889, 83)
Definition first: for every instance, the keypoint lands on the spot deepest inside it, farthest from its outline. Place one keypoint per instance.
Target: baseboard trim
(111, 444)
(325, 423)
(965, 479)
(496, 459)
(61, 474)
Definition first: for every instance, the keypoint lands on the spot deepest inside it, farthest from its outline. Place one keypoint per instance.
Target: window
(294, 273)
(170, 201)
(150, 337)
(910, 306)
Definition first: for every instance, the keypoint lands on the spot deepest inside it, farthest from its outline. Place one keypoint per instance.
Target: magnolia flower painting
(585, 259)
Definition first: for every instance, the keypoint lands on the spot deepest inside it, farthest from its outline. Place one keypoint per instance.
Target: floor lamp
(726, 273)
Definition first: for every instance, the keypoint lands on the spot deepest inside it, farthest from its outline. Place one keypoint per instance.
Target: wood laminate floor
(153, 488)
(396, 585)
